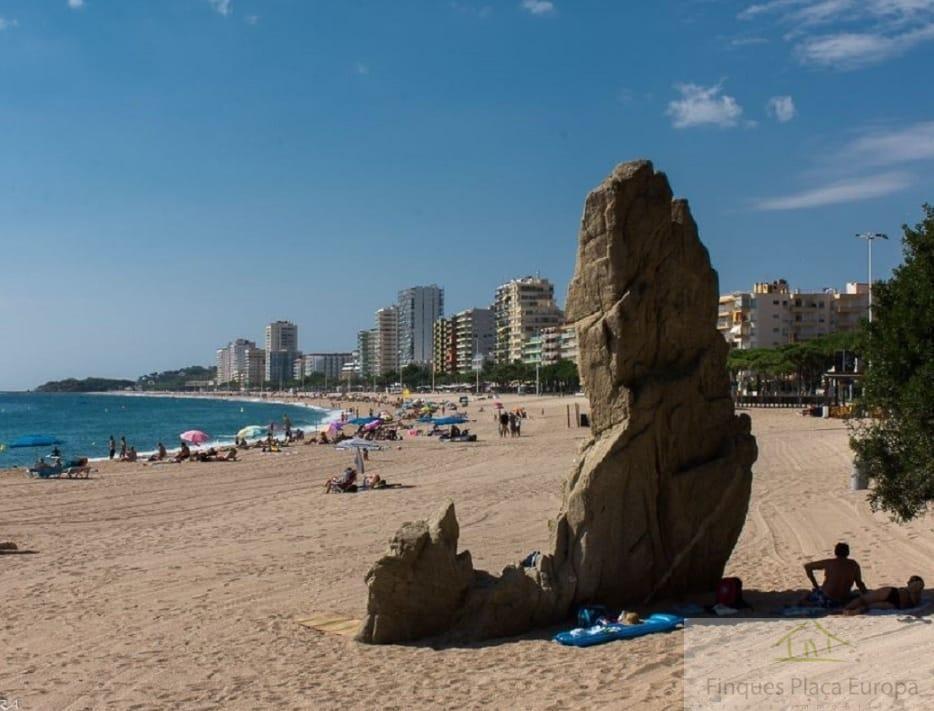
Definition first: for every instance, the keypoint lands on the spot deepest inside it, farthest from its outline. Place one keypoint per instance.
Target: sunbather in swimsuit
(887, 597)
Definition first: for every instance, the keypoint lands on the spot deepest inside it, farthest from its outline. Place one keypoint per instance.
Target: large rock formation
(658, 496)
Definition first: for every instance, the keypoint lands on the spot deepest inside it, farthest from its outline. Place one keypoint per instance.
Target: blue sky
(176, 173)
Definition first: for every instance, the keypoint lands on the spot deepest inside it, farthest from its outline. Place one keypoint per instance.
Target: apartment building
(522, 308)
(281, 350)
(386, 347)
(772, 314)
(418, 308)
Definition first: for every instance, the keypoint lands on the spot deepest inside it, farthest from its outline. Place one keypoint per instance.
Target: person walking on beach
(112, 446)
(122, 447)
(288, 427)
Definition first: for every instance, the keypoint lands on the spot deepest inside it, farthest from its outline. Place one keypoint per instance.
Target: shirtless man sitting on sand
(840, 574)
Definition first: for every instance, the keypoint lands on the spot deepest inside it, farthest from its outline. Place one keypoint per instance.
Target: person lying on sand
(342, 483)
(183, 453)
(840, 574)
(888, 598)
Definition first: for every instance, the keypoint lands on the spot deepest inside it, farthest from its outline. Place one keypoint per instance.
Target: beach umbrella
(33, 440)
(359, 443)
(252, 431)
(372, 425)
(194, 437)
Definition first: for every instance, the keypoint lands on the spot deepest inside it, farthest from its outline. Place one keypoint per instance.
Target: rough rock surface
(658, 496)
(415, 589)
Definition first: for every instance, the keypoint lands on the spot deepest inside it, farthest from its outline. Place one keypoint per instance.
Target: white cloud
(222, 7)
(849, 50)
(75, 4)
(904, 145)
(781, 108)
(6, 24)
(539, 7)
(703, 105)
(361, 68)
(848, 34)
(747, 41)
(843, 191)
(251, 19)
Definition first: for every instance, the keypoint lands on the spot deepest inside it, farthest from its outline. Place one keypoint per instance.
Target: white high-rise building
(232, 363)
(418, 307)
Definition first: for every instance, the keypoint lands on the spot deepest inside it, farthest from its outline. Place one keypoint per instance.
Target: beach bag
(730, 592)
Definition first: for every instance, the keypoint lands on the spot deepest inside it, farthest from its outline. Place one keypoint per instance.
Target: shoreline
(330, 415)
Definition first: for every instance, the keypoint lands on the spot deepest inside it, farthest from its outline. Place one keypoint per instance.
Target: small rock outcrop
(416, 588)
(657, 497)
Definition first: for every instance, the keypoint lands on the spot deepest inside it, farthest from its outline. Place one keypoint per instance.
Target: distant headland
(166, 380)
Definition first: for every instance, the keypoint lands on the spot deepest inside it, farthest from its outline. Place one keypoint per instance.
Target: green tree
(894, 437)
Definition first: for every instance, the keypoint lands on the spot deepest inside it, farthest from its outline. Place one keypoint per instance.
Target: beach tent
(33, 440)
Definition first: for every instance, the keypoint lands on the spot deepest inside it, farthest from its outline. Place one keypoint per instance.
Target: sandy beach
(178, 586)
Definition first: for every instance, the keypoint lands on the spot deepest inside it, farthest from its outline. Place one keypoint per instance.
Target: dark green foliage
(88, 385)
(895, 438)
(176, 379)
(807, 360)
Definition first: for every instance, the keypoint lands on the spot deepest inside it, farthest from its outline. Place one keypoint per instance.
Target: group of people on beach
(127, 453)
(841, 574)
(510, 422)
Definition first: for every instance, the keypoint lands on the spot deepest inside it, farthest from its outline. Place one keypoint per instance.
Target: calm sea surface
(84, 422)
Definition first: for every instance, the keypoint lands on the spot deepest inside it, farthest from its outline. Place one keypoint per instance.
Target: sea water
(84, 422)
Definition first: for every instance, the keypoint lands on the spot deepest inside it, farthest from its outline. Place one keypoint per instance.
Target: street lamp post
(869, 237)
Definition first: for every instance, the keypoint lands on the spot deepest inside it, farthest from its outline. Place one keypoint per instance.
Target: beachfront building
(255, 368)
(386, 348)
(327, 364)
(232, 361)
(521, 309)
(773, 314)
(734, 319)
(444, 346)
(418, 308)
(551, 345)
(350, 371)
(366, 353)
(281, 350)
(851, 306)
(474, 338)
(223, 365)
